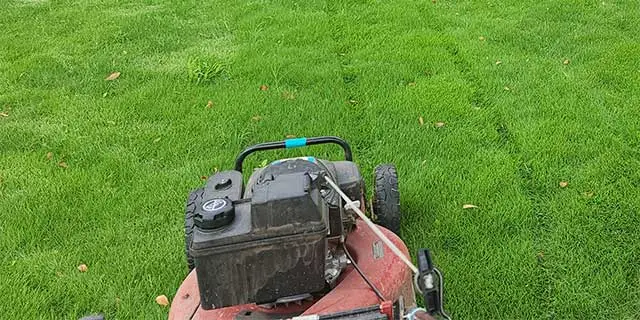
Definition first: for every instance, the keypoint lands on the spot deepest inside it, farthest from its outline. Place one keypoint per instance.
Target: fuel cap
(214, 214)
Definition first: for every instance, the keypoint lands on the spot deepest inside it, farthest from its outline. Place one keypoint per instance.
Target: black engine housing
(272, 241)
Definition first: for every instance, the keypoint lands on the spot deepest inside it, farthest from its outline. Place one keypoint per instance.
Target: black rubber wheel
(190, 209)
(386, 198)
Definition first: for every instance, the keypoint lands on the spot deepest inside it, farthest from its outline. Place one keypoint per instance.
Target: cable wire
(364, 277)
(442, 312)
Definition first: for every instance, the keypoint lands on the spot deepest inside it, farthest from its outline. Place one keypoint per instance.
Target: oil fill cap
(214, 214)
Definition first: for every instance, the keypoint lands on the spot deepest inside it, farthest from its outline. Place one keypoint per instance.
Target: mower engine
(278, 239)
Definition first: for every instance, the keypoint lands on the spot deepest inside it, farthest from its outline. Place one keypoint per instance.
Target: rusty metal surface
(186, 300)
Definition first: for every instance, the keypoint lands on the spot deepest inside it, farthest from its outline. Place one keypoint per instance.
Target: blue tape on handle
(295, 143)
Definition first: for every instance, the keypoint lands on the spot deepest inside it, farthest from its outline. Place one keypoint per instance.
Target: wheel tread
(386, 199)
(190, 209)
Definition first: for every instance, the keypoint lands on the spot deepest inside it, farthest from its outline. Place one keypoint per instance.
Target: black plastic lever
(429, 282)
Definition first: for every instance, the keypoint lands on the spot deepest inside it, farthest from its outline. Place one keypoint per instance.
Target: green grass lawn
(531, 93)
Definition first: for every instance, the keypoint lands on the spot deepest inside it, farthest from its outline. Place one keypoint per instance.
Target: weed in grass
(202, 71)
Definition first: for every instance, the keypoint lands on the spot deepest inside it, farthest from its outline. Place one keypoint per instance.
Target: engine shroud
(275, 239)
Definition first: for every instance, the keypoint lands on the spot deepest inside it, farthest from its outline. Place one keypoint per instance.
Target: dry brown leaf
(203, 178)
(563, 184)
(469, 206)
(63, 164)
(210, 104)
(439, 124)
(4, 114)
(482, 38)
(421, 120)
(289, 136)
(264, 87)
(49, 155)
(499, 62)
(156, 140)
(162, 300)
(83, 268)
(566, 62)
(113, 76)
(256, 118)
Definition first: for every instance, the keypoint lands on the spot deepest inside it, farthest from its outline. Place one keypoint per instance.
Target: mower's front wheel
(386, 198)
(190, 209)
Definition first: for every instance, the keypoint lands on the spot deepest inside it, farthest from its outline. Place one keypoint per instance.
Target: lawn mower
(295, 244)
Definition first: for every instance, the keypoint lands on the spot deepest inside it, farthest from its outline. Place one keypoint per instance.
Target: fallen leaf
(162, 300)
(588, 194)
(256, 118)
(4, 114)
(104, 95)
(49, 155)
(482, 38)
(352, 101)
(506, 88)
(156, 140)
(421, 120)
(499, 62)
(210, 104)
(113, 76)
(63, 164)
(203, 178)
(469, 206)
(566, 62)
(563, 184)
(215, 169)
(264, 87)
(411, 84)
(289, 136)
(439, 124)
(113, 123)
(83, 268)
(186, 296)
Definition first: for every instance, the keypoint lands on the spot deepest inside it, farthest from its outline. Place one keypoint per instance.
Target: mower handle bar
(293, 143)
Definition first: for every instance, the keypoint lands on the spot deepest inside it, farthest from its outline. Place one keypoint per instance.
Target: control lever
(431, 282)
